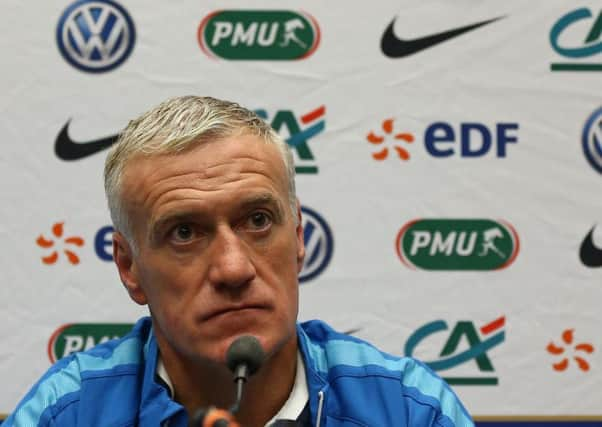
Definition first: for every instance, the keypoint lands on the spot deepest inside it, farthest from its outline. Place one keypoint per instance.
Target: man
(208, 235)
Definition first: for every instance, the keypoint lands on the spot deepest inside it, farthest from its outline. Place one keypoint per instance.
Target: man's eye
(259, 221)
(182, 233)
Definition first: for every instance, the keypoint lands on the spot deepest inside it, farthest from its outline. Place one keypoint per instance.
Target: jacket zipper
(320, 406)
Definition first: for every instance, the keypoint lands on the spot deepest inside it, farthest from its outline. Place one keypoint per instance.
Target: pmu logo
(591, 140)
(71, 338)
(285, 122)
(481, 342)
(442, 139)
(319, 244)
(457, 244)
(576, 37)
(95, 35)
(259, 34)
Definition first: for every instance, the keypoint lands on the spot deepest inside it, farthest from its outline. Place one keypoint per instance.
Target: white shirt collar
(299, 396)
(164, 376)
(291, 409)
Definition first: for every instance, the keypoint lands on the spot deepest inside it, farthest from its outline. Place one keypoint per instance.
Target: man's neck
(200, 385)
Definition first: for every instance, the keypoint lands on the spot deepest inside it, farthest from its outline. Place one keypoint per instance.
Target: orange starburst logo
(57, 232)
(387, 127)
(567, 338)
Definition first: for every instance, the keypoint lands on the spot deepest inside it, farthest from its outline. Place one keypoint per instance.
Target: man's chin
(218, 353)
(219, 334)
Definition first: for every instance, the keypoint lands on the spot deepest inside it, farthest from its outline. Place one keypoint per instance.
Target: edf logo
(319, 244)
(95, 35)
(442, 139)
(469, 140)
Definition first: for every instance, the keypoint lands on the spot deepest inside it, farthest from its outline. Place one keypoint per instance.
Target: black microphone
(244, 357)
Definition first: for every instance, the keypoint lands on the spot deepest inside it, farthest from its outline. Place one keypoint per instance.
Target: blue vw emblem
(592, 140)
(95, 35)
(319, 244)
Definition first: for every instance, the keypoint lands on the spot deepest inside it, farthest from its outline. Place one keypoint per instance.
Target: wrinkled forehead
(213, 160)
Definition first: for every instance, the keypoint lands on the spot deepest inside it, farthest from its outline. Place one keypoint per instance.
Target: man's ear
(300, 240)
(126, 265)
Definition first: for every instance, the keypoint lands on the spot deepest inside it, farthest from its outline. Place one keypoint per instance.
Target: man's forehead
(206, 157)
(210, 164)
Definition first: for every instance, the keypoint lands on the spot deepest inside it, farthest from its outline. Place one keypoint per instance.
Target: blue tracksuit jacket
(350, 383)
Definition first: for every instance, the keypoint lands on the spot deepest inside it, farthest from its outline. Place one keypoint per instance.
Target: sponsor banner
(592, 139)
(481, 340)
(447, 161)
(577, 38)
(259, 35)
(95, 35)
(581, 352)
(319, 244)
(396, 47)
(457, 244)
(76, 337)
(298, 130)
(467, 140)
(589, 252)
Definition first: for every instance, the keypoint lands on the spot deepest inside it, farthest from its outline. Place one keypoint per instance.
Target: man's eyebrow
(262, 199)
(259, 200)
(247, 203)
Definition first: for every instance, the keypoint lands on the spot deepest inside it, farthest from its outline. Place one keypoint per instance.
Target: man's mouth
(232, 310)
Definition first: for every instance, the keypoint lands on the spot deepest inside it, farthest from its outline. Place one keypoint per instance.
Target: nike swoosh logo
(67, 149)
(398, 48)
(590, 255)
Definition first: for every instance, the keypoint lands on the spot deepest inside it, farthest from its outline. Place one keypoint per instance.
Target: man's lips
(232, 310)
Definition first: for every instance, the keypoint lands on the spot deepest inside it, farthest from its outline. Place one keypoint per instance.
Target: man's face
(218, 249)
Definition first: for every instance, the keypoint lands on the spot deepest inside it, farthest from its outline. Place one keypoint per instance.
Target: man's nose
(230, 263)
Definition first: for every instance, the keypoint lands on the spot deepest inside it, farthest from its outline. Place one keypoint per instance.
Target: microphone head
(245, 350)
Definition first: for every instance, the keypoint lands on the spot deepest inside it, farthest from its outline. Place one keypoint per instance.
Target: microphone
(244, 357)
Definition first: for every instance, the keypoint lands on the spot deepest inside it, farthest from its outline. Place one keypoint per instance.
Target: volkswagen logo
(592, 140)
(95, 35)
(319, 244)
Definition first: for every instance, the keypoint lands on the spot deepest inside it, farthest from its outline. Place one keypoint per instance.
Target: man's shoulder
(330, 350)
(79, 379)
(356, 370)
(115, 357)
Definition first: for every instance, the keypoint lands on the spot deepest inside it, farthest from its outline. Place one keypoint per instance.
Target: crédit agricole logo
(454, 355)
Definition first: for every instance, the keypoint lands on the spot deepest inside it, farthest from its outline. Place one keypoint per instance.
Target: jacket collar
(156, 405)
(317, 383)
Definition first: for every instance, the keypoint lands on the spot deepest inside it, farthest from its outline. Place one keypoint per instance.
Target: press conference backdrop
(449, 161)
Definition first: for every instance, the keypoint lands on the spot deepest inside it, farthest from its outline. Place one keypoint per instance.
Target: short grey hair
(179, 124)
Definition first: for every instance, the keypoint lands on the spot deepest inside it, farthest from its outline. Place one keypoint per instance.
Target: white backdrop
(499, 73)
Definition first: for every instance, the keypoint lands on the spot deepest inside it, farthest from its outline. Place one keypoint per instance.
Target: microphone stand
(215, 417)
(244, 357)
(241, 374)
